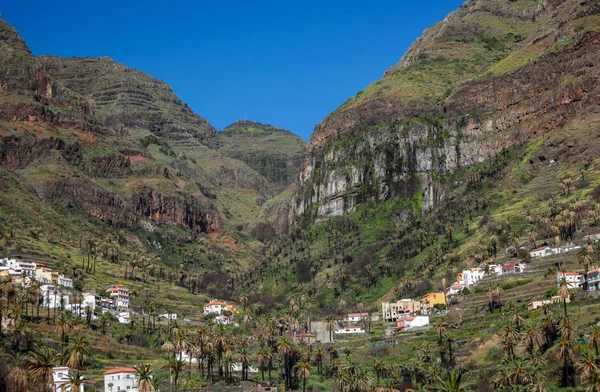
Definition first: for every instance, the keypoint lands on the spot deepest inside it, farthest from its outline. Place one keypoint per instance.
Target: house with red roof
(215, 306)
(513, 268)
(306, 338)
(574, 279)
(121, 379)
(431, 300)
(354, 317)
(406, 323)
(541, 252)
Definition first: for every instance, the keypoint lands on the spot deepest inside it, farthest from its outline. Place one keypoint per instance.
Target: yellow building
(430, 300)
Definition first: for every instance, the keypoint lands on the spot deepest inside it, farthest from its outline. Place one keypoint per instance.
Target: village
(57, 294)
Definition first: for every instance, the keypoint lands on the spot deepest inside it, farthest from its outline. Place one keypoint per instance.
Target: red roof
(307, 335)
(511, 265)
(353, 327)
(357, 314)
(214, 303)
(407, 319)
(542, 248)
(425, 298)
(121, 370)
(570, 273)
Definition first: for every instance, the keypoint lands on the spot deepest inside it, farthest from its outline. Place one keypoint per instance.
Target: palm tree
(517, 372)
(303, 374)
(263, 360)
(508, 346)
(454, 382)
(18, 376)
(284, 349)
(595, 341)
(319, 353)
(567, 358)
(563, 292)
(39, 365)
(330, 327)
(175, 367)
(587, 367)
(531, 339)
(75, 381)
(144, 374)
(440, 330)
(78, 352)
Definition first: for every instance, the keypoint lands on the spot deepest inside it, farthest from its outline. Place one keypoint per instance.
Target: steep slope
(489, 76)
(272, 151)
(96, 150)
(491, 116)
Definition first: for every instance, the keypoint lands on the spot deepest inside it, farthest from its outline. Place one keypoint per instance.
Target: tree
(587, 367)
(144, 374)
(78, 352)
(40, 363)
(303, 374)
(330, 327)
(175, 367)
(567, 358)
(75, 380)
(284, 349)
(563, 292)
(454, 382)
(595, 341)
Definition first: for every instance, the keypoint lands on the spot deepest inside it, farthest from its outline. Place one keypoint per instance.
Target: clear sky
(287, 63)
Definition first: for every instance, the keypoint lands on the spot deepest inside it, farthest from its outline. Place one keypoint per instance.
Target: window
(112, 378)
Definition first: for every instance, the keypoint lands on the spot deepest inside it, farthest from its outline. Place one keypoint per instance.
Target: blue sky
(281, 62)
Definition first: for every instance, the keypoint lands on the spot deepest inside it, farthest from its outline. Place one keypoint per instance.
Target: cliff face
(489, 76)
(117, 143)
(272, 151)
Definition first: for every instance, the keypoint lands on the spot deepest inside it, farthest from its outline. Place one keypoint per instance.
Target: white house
(496, 269)
(407, 323)
(64, 281)
(541, 252)
(121, 379)
(350, 329)
(237, 367)
(472, 275)
(222, 320)
(124, 318)
(168, 316)
(52, 297)
(574, 279)
(513, 268)
(214, 306)
(456, 288)
(89, 301)
(592, 237)
(60, 378)
(354, 317)
(120, 294)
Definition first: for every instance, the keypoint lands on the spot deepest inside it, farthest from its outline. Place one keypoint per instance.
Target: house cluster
(546, 251)
(408, 313)
(219, 308)
(576, 279)
(22, 272)
(115, 380)
(471, 276)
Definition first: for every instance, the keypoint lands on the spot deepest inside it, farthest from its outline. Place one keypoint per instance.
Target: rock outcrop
(468, 88)
(272, 151)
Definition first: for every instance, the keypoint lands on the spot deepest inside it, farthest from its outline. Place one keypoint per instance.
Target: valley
(480, 148)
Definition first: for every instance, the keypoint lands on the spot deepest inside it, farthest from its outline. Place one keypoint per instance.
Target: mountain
(491, 75)
(273, 152)
(488, 125)
(92, 149)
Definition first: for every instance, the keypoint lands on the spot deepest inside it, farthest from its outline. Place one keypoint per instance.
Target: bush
(494, 354)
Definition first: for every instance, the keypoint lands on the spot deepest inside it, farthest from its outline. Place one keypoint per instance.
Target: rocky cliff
(273, 152)
(491, 75)
(93, 134)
